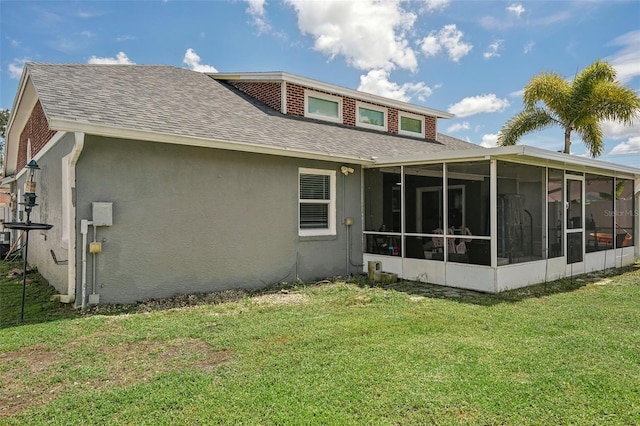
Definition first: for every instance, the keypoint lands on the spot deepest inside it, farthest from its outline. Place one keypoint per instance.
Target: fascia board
(149, 136)
(331, 88)
(23, 103)
(521, 153)
(21, 86)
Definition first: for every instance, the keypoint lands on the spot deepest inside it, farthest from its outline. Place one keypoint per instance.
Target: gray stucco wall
(188, 219)
(49, 210)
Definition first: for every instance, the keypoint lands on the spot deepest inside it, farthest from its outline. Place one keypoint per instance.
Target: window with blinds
(316, 202)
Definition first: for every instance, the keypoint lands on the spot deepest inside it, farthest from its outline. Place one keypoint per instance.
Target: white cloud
(478, 104)
(192, 60)
(528, 47)
(369, 34)
(489, 141)
(85, 14)
(88, 34)
(258, 14)
(516, 8)
(557, 18)
(449, 38)
(627, 60)
(124, 38)
(433, 5)
(120, 59)
(615, 130)
(492, 50)
(377, 82)
(458, 127)
(632, 146)
(15, 68)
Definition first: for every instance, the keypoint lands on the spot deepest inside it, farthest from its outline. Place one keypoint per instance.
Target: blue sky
(470, 58)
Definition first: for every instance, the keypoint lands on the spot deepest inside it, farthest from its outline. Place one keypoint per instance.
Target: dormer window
(410, 124)
(371, 116)
(322, 106)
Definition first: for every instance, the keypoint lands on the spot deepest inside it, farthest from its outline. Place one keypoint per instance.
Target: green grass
(337, 353)
(38, 306)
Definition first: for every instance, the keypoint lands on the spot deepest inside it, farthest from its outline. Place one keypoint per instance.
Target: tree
(4, 119)
(593, 96)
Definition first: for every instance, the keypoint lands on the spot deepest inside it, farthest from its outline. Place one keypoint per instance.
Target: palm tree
(580, 106)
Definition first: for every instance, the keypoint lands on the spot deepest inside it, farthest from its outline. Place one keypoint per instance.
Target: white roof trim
(150, 136)
(551, 158)
(278, 76)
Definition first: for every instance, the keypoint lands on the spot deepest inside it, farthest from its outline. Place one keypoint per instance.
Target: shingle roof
(176, 101)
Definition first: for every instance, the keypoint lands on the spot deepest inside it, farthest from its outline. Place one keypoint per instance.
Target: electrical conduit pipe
(84, 230)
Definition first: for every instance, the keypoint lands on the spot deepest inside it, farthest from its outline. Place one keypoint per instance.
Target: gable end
(36, 134)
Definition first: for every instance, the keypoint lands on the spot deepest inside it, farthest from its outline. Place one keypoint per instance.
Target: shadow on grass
(563, 285)
(38, 306)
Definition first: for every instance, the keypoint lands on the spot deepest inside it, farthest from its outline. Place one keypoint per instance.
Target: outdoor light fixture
(26, 226)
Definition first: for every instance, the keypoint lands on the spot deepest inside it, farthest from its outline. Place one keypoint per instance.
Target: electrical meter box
(102, 214)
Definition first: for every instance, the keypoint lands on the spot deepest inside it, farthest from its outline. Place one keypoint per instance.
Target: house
(159, 180)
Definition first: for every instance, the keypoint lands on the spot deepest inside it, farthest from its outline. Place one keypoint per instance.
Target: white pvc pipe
(93, 265)
(84, 230)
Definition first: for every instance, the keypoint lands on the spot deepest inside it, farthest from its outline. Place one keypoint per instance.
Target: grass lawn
(331, 353)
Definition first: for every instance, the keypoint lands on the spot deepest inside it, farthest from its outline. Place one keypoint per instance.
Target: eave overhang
(150, 136)
(522, 154)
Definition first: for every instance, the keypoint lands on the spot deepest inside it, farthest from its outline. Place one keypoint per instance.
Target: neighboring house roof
(170, 104)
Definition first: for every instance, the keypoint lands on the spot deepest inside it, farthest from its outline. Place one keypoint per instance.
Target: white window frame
(412, 116)
(383, 110)
(331, 229)
(323, 96)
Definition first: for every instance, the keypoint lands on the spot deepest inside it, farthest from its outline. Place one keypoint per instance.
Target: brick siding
(36, 130)
(267, 93)
(349, 111)
(392, 121)
(430, 127)
(295, 99)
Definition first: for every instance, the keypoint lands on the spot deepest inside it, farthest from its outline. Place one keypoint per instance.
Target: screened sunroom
(500, 218)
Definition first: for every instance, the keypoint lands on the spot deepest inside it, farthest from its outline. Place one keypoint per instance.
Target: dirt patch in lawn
(34, 375)
(281, 298)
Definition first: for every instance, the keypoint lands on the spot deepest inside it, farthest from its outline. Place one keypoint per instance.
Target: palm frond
(550, 89)
(611, 101)
(524, 122)
(591, 134)
(597, 93)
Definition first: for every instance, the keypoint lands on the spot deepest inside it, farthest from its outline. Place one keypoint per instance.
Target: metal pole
(24, 269)
(24, 275)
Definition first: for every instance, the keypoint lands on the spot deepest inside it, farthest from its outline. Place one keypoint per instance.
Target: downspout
(71, 218)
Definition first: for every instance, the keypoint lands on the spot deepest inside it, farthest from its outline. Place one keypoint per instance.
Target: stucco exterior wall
(188, 219)
(48, 210)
